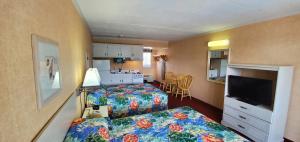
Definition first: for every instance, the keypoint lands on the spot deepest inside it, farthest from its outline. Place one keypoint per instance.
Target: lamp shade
(92, 78)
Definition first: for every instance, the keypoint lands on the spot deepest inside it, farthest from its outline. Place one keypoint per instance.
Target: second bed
(128, 100)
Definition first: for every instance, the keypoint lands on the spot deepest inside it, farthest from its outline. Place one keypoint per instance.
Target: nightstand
(90, 113)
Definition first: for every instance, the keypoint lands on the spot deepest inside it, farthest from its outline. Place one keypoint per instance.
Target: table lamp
(91, 79)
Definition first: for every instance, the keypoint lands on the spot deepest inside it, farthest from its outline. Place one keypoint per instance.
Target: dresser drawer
(259, 112)
(244, 128)
(253, 121)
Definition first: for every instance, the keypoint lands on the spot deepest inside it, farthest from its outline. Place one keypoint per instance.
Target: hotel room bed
(128, 100)
(175, 125)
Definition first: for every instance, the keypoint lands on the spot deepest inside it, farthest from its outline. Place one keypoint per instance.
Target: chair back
(186, 82)
(179, 78)
(169, 75)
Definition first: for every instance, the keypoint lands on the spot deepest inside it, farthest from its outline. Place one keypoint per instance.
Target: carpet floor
(202, 107)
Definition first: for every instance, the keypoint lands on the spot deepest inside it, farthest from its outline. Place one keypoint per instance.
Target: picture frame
(48, 79)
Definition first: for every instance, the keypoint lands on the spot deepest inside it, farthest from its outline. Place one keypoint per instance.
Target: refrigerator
(103, 67)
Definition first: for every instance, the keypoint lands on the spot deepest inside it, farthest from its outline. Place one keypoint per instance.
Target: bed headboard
(57, 127)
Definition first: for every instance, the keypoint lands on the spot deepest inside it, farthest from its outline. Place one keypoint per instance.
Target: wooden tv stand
(260, 123)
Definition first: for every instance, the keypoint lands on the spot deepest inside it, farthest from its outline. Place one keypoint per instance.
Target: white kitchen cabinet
(126, 78)
(119, 50)
(137, 52)
(100, 50)
(125, 51)
(114, 50)
(121, 78)
(106, 77)
(115, 79)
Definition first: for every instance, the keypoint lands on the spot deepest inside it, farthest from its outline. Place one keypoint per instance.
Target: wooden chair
(184, 86)
(178, 78)
(163, 83)
(171, 82)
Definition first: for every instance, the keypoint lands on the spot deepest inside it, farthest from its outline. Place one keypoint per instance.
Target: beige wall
(190, 57)
(20, 120)
(275, 42)
(157, 46)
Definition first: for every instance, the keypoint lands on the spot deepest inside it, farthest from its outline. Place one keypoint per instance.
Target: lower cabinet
(245, 128)
(127, 78)
(108, 78)
(121, 78)
(250, 120)
(116, 79)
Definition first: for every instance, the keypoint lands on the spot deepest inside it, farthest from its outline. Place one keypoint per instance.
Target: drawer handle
(243, 107)
(241, 126)
(242, 117)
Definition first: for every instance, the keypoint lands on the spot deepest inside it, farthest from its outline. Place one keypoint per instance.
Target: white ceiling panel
(176, 19)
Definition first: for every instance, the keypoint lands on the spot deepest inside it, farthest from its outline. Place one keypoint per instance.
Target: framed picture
(48, 80)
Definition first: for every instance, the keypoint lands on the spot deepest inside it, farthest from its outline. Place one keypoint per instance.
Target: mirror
(217, 65)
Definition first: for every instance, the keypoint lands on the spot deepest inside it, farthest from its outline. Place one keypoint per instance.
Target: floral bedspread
(88, 130)
(128, 100)
(175, 125)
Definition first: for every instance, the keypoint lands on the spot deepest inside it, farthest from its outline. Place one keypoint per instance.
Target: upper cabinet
(135, 52)
(125, 51)
(114, 50)
(100, 50)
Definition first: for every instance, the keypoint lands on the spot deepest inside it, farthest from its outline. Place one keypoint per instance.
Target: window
(147, 58)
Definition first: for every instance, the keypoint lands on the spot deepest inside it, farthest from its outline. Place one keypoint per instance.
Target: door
(126, 78)
(125, 51)
(137, 52)
(105, 77)
(114, 50)
(100, 50)
(114, 79)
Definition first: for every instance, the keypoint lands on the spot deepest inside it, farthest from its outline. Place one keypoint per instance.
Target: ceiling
(176, 19)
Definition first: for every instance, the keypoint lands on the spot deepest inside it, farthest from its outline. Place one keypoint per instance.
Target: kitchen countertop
(125, 73)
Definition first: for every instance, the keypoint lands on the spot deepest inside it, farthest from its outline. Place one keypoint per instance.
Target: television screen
(250, 90)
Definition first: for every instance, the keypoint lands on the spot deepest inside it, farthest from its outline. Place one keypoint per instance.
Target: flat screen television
(251, 90)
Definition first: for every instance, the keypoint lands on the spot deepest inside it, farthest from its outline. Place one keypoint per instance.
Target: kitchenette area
(113, 62)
